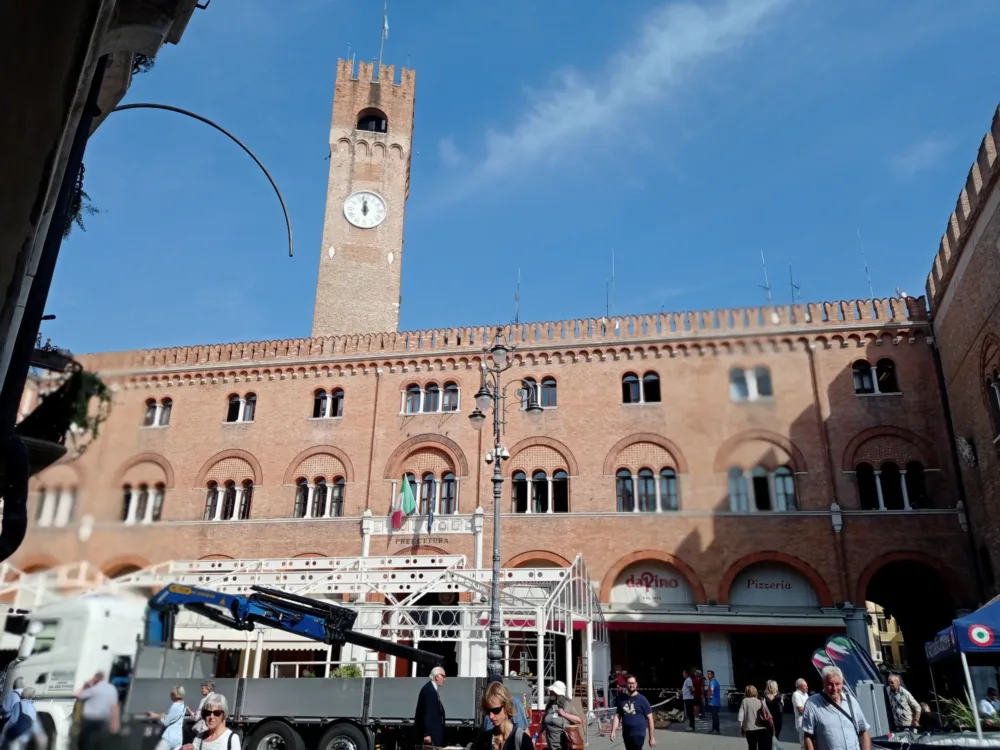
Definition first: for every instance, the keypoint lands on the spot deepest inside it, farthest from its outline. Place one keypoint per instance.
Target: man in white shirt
(687, 693)
(799, 699)
(987, 706)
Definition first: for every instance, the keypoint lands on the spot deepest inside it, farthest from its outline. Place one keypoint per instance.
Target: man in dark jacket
(428, 722)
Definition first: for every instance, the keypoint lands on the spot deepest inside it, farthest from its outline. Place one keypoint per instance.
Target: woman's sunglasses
(206, 713)
(495, 710)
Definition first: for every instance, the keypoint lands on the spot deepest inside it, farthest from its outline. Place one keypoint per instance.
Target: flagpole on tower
(385, 35)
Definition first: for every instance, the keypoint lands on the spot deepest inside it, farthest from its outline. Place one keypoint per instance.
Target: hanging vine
(79, 206)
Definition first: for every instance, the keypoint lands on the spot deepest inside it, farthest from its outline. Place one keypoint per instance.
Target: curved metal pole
(234, 139)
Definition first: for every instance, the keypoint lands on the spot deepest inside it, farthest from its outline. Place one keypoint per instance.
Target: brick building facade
(725, 474)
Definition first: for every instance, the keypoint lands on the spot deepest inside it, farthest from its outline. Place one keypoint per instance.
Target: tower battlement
(982, 179)
(366, 87)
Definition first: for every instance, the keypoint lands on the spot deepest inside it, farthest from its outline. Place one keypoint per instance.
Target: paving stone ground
(676, 738)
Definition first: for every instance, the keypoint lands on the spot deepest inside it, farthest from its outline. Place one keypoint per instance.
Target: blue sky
(686, 136)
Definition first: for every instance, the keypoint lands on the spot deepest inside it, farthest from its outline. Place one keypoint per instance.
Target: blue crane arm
(324, 622)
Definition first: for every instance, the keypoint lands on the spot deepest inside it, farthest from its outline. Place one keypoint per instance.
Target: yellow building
(885, 640)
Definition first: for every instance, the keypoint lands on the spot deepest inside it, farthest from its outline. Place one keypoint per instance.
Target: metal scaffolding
(542, 607)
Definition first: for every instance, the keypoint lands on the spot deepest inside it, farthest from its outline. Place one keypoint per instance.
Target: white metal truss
(555, 600)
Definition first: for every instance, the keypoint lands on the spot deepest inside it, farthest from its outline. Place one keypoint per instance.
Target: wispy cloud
(449, 153)
(919, 157)
(671, 44)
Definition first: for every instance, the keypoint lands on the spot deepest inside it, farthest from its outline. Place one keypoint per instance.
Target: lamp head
(483, 398)
(477, 418)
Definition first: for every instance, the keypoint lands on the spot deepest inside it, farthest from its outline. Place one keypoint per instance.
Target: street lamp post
(492, 394)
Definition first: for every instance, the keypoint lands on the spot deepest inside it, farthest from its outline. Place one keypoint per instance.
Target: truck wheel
(343, 737)
(275, 735)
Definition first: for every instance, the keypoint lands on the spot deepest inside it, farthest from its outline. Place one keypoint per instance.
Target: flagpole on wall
(385, 35)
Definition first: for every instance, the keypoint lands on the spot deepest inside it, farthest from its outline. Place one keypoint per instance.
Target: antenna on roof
(517, 299)
(864, 258)
(767, 284)
(348, 50)
(607, 299)
(796, 295)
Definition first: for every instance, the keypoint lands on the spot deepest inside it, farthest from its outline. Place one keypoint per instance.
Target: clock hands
(364, 206)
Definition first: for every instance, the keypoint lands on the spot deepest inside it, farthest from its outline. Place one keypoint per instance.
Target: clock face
(365, 210)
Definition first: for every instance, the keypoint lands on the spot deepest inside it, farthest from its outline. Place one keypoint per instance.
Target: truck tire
(344, 736)
(275, 735)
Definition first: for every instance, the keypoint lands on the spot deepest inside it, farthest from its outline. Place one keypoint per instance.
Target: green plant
(347, 670)
(959, 713)
(68, 410)
(142, 64)
(79, 207)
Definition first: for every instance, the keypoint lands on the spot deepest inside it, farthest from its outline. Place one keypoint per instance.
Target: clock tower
(361, 257)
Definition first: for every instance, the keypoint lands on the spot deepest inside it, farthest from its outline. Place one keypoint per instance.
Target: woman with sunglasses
(217, 736)
(498, 705)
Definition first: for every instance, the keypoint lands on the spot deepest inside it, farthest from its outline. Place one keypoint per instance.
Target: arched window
(150, 418)
(651, 388)
(337, 492)
(863, 381)
(432, 398)
(519, 492)
(540, 492)
(993, 399)
(141, 503)
(631, 390)
(301, 498)
(337, 403)
(867, 487)
(885, 372)
(246, 499)
(530, 385)
(319, 404)
(761, 488)
(166, 406)
(647, 491)
(762, 377)
(448, 504)
(668, 490)
(233, 412)
(784, 489)
(560, 492)
(211, 501)
(623, 489)
(450, 397)
(739, 499)
(319, 498)
(373, 120)
(249, 407)
(412, 399)
(427, 492)
(412, 479)
(229, 501)
(548, 397)
(738, 389)
(126, 502)
(892, 486)
(916, 485)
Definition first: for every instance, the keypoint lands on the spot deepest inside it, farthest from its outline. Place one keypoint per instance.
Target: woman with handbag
(559, 720)
(755, 721)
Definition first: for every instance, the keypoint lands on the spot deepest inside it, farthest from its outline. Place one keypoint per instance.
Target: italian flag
(404, 505)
